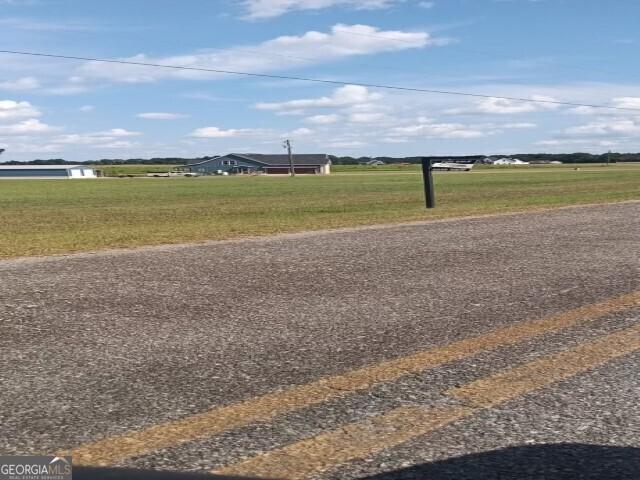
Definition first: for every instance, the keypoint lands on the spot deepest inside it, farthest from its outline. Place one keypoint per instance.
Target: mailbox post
(427, 175)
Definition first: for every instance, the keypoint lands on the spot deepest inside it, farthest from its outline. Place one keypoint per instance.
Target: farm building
(509, 161)
(258, 163)
(46, 171)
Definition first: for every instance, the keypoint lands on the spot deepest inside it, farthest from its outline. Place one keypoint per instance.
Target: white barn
(46, 171)
(509, 161)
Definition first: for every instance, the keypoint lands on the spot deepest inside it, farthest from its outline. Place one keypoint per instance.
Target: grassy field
(41, 217)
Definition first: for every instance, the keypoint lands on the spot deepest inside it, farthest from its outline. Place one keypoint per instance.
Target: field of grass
(40, 217)
(374, 168)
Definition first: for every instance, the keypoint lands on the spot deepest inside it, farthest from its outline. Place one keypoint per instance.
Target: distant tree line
(578, 157)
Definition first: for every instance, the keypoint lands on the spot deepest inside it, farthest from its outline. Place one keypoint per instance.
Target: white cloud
(559, 142)
(503, 106)
(323, 119)
(31, 147)
(615, 127)
(91, 141)
(619, 102)
(27, 127)
(299, 132)
(346, 144)
(438, 130)
(626, 102)
(161, 116)
(215, 132)
(10, 110)
(518, 125)
(74, 139)
(68, 89)
(426, 5)
(582, 110)
(97, 139)
(373, 117)
(581, 145)
(260, 9)
(341, 97)
(118, 144)
(25, 83)
(115, 132)
(87, 108)
(341, 42)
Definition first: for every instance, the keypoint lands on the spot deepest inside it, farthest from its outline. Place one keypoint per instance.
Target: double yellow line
(405, 423)
(308, 457)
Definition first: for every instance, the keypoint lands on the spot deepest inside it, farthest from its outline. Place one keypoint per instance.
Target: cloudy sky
(574, 51)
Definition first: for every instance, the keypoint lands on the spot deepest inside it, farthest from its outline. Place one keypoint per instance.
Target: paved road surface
(473, 348)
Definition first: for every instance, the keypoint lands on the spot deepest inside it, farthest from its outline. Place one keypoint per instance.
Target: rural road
(491, 347)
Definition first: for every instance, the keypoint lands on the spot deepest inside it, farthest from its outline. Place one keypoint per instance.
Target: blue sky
(578, 51)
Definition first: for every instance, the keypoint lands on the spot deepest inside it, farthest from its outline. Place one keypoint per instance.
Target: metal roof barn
(46, 171)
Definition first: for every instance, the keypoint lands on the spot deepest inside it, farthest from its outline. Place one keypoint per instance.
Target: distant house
(46, 171)
(371, 161)
(509, 161)
(259, 163)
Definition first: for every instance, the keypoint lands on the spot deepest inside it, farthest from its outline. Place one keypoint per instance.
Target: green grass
(40, 217)
(374, 168)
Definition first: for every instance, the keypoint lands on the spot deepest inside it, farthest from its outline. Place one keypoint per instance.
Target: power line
(313, 59)
(315, 80)
(348, 32)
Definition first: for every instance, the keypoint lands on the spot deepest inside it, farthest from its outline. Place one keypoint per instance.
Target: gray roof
(39, 167)
(197, 161)
(282, 159)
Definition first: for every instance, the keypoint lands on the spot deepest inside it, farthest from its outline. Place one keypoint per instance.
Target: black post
(429, 194)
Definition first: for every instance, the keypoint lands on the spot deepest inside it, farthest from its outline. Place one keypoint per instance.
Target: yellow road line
(328, 450)
(503, 386)
(113, 449)
(323, 452)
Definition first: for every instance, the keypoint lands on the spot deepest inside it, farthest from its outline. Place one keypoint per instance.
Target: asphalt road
(210, 357)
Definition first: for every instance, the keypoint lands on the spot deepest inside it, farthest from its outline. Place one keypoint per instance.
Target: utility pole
(608, 155)
(287, 145)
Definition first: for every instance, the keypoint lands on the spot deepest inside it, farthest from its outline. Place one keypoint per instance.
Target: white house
(509, 161)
